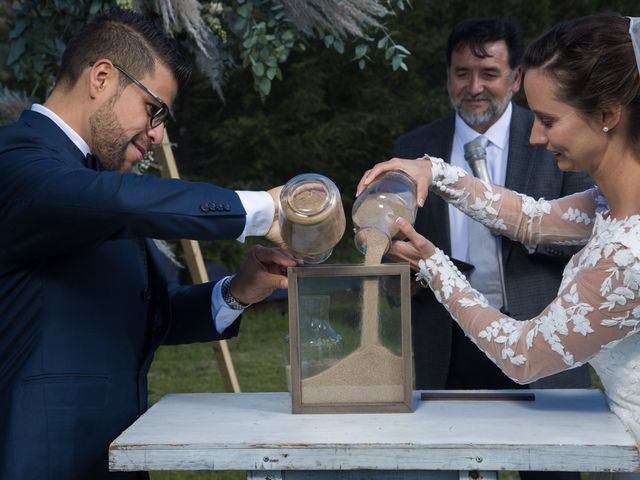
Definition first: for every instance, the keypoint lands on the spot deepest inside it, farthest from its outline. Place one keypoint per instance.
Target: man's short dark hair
(126, 38)
(475, 33)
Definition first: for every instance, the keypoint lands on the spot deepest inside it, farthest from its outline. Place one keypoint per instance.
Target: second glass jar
(388, 197)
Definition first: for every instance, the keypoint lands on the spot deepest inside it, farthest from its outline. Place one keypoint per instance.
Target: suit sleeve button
(204, 207)
(146, 294)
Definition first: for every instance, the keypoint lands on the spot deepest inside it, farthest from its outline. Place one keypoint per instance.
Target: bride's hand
(419, 170)
(413, 249)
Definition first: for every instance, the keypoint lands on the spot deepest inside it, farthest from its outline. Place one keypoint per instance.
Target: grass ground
(258, 356)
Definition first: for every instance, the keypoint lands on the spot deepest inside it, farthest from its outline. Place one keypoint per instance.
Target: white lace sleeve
(597, 305)
(568, 220)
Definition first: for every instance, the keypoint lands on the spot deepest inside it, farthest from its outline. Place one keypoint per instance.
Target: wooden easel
(164, 157)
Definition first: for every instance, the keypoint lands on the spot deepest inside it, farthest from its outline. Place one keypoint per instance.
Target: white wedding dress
(596, 315)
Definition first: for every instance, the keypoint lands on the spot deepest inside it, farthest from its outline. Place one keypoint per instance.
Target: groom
(85, 300)
(483, 59)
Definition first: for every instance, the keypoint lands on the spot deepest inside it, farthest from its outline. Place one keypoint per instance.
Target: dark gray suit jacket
(532, 279)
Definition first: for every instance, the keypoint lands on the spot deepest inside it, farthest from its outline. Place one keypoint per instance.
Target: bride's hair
(593, 65)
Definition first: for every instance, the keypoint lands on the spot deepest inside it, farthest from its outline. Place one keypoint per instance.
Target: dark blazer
(85, 299)
(532, 279)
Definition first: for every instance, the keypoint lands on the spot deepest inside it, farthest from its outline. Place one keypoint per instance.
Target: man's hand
(274, 235)
(264, 270)
(418, 169)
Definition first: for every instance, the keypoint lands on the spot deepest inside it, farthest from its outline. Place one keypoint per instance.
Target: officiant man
(85, 300)
(483, 73)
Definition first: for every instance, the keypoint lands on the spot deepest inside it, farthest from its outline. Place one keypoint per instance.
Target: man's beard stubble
(109, 138)
(493, 112)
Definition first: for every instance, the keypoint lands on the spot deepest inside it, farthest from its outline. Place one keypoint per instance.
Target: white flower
(623, 258)
(534, 208)
(581, 325)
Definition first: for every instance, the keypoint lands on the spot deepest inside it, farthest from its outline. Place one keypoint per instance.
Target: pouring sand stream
(372, 373)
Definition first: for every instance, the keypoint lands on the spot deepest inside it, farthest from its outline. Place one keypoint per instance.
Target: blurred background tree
(341, 85)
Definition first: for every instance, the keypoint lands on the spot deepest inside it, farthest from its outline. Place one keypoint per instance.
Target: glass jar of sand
(311, 216)
(375, 211)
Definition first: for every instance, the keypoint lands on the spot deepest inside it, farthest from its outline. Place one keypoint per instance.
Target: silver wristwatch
(228, 298)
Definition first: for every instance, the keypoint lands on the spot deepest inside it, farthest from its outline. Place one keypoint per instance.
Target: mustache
(144, 142)
(475, 97)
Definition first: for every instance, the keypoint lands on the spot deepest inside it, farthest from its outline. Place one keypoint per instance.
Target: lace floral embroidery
(517, 216)
(484, 209)
(443, 176)
(575, 215)
(598, 303)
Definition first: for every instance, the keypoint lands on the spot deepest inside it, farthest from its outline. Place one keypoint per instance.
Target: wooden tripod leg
(195, 263)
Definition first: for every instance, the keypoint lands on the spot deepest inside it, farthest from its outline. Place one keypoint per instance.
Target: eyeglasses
(157, 116)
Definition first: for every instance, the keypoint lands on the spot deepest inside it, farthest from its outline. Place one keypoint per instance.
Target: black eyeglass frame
(159, 116)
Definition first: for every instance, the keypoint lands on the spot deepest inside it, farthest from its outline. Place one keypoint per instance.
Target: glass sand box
(350, 346)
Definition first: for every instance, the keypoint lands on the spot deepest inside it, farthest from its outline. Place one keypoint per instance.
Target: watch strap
(229, 299)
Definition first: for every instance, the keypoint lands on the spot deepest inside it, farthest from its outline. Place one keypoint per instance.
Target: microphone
(475, 153)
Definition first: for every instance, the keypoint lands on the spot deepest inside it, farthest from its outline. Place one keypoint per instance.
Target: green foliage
(267, 40)
(269, 37)
(260, 33)
(43, 27)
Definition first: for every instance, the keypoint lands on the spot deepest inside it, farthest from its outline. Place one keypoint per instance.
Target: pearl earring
(605, 129)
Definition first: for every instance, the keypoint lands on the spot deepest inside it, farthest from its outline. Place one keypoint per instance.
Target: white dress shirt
(258, 205)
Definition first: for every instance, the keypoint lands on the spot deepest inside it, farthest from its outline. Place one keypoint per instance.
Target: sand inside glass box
(350, 339)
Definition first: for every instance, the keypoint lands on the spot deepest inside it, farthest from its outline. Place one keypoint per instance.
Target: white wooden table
(563, 430)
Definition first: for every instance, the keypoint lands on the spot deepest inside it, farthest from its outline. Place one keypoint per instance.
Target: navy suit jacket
(85, 298)
(531, 279)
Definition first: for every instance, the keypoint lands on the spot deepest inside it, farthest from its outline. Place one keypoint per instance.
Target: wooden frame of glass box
(340, 283)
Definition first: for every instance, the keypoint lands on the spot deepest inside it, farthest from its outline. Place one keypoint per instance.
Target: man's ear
(517, 80)
(102, 77)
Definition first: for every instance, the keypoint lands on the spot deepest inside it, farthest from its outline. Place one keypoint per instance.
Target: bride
(583, 84)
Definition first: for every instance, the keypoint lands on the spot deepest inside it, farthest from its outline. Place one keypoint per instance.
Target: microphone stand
(505, 305)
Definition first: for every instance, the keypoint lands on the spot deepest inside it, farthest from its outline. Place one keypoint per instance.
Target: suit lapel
(520, 164)
(439, 145)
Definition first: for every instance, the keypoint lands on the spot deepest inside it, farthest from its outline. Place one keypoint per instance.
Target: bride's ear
(610, 117)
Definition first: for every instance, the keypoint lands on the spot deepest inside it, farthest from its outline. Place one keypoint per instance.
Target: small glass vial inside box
(350, 339)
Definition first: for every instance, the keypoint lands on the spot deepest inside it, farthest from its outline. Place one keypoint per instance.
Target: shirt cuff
(221, 313)
(260, 213)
